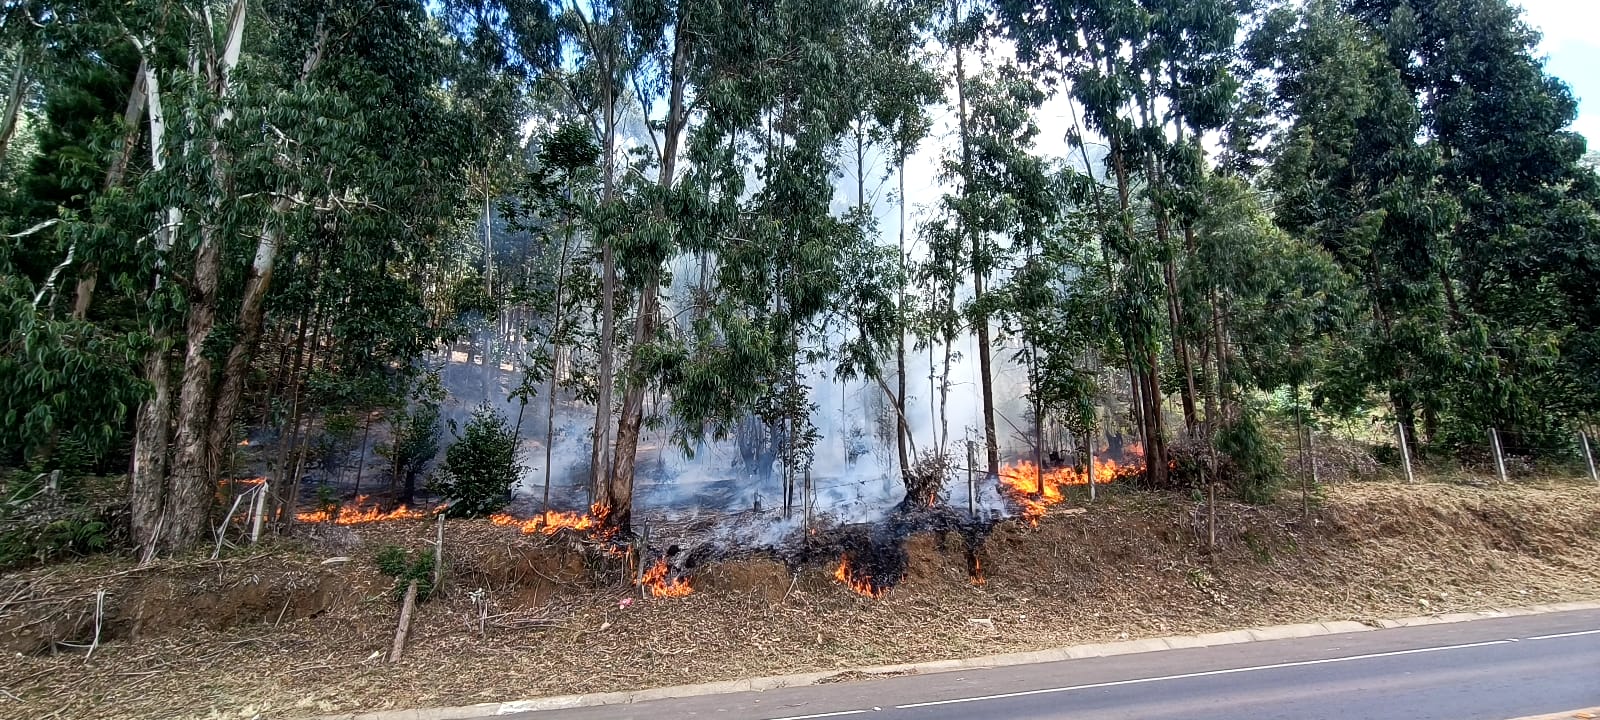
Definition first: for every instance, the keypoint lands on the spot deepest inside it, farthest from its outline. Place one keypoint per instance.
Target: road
(1481, 670)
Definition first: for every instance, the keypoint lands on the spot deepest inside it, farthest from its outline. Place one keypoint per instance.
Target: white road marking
(822, 715)
(1208, 673)
(1567, 634)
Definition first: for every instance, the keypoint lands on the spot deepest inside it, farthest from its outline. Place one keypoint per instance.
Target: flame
(861, 584)
(353, 514)
(551, 522)
(1021, 482)
(977, 572)
(655, 580)
(244, 443)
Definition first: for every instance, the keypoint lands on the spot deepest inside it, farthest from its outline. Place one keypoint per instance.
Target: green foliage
(405, 567)
(66, 391)
(480, 467)
(1254, 462)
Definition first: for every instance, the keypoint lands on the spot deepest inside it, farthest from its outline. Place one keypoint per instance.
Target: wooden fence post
(1589, 456)
(1499, 457)
(1405, 452)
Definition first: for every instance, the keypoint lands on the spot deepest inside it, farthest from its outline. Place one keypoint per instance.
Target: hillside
(291, 630)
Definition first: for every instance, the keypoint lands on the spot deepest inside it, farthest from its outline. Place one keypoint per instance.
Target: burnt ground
(299, 628)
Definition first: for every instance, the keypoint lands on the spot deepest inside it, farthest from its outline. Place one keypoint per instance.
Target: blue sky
(1572, 47)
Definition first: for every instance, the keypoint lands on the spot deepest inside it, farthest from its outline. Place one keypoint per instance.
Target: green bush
(395, 562)
(1257, 470)
(481, 467)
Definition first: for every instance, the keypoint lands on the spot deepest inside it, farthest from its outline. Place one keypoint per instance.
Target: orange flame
(1021, 482)
(977, 572)
(655, 580)
(551, 522)
(244, 443)
(861, 584)
(353, 514)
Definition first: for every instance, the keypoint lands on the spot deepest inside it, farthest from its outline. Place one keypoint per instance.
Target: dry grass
(1127, 568)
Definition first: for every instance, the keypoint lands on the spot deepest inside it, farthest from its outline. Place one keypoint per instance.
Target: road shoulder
(1127, 647)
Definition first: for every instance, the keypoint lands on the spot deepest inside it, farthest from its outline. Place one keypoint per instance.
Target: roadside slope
(286, 635)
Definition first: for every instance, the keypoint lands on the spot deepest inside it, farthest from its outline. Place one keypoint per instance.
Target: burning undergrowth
(1035, 492)
(867, 557)
(360, 512)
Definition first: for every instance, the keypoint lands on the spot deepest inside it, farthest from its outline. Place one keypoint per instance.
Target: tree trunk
(189, 488)
(619, 493)
(252, 315)
(555, 352)
(152, 431)
(1180, 347)
(600, 458)
(979, 278)
(902, 428)
(19, 88)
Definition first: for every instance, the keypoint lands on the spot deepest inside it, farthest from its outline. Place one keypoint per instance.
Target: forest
(549, 244)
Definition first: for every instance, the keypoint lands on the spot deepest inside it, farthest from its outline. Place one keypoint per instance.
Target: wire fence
(1400, 453)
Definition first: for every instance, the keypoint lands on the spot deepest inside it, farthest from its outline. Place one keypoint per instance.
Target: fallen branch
(405, 622)
(99, 612)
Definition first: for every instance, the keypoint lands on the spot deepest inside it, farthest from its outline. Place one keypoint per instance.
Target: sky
(1572, 50)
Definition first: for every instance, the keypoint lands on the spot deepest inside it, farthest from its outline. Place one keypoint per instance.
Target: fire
(861, 584)
(977, 572)
(353, 514)
(1021, 482)
(244, 443)
(655, 580)
(551, 522)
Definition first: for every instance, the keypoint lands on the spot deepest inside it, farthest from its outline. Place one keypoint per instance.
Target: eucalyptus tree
(609, 43)
(552, 200)
(1000, 214)
(967, 25)
(1136, 67)
(890, 103)
(295, 130)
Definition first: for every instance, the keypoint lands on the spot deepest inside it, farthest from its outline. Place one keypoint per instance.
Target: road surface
(1481, 670)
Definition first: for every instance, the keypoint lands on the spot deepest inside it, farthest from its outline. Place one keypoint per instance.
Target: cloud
(1564, 23)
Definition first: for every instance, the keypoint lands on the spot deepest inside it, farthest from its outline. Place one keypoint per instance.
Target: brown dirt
(280, 633)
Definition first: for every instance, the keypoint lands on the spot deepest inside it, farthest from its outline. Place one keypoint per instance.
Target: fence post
(1405, 452)
(1499, 457)
(1092, 436)
(972, 481)
(259, 513)
(1589, 456)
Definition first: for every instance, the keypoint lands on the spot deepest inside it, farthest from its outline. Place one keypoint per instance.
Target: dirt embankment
(299, 629)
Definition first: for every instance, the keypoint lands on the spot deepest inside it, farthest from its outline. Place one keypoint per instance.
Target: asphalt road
(1481, 670)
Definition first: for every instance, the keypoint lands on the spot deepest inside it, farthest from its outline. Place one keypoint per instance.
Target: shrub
(1257, 470)
(481, 467)
(395, 562)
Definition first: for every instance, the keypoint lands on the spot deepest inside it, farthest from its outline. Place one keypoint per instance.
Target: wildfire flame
(655, 580)
(1021, 482)
(354, 514)
(861, 584)
(551, 522)
(977, 572)
(244, 443)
